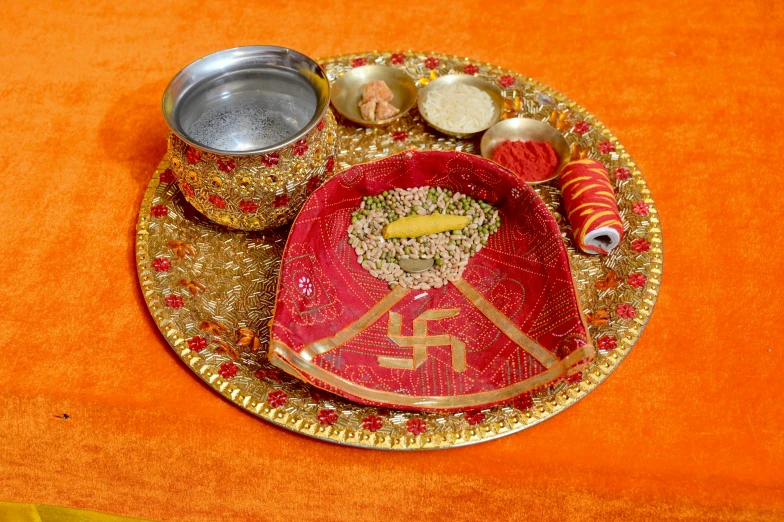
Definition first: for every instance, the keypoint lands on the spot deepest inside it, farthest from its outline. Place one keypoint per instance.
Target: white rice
(459, 108)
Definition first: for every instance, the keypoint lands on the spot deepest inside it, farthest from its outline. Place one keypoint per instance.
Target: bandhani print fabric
(511, 324)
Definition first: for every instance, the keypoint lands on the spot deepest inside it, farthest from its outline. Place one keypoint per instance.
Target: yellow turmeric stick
(415, 226)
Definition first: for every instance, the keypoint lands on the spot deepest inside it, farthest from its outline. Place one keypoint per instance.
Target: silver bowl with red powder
(526, 129)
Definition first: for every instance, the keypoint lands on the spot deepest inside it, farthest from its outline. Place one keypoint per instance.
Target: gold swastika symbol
(420, 341)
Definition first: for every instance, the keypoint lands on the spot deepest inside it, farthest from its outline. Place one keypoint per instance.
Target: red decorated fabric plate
(512, 323)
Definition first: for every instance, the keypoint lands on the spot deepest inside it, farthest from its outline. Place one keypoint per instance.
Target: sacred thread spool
(591, 206)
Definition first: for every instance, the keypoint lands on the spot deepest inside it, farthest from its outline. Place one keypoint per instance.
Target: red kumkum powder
(530, 160)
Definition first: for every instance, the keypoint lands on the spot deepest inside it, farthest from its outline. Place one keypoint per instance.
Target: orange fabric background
(689, 427)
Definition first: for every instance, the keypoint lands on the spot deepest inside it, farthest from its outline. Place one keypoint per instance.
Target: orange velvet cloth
(688, 428)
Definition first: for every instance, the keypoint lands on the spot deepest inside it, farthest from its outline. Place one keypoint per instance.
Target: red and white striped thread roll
(591, 207)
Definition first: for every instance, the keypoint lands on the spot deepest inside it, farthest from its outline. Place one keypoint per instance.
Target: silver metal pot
(251, 134)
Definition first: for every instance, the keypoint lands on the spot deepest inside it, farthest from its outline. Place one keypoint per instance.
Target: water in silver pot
(248, 109)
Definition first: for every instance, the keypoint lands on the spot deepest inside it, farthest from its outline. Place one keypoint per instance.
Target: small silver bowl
(526, 129)
(347, 92)
(465, 79)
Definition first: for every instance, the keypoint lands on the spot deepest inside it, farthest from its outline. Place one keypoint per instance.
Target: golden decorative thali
(211, 289)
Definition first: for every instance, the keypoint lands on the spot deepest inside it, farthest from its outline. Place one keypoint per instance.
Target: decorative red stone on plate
(281, 200)
(397, 59)
(581, 127)
(606, 147)
(161, 264)
(228, 370)
(470, 69)
(167, 176)
(372, 423)
(158, 211)
(226, 166)
(523, 402)
(187, 189)
(640, 208)
(174, 301)
(625, 310)
(193, 155)
(359, 62)
(506, 80)
(217, 201)
(431, 62)
(606, 343)
(300, 148)
(637, 280)
(248, 206)
(313, 184)
(197, 343)
(416, 426)
(640, 246)
(270, 160)
(399, 135)
(327, 416)
(475, 417)
(277, 398)
(622, 173)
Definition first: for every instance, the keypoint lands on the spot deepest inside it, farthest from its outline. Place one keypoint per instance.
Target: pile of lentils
(449, 250)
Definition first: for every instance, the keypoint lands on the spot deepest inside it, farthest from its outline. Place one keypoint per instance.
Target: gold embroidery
(421, 340)
(281, 355)
(539, 352)
(284, 357)
(371, 316)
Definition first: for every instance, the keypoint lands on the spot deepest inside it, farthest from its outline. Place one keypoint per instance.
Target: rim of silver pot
(218, 63)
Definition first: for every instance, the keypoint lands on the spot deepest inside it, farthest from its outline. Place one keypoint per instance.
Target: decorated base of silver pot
(255, 192)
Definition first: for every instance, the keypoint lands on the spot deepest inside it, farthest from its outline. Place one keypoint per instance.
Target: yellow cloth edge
(21, 512)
